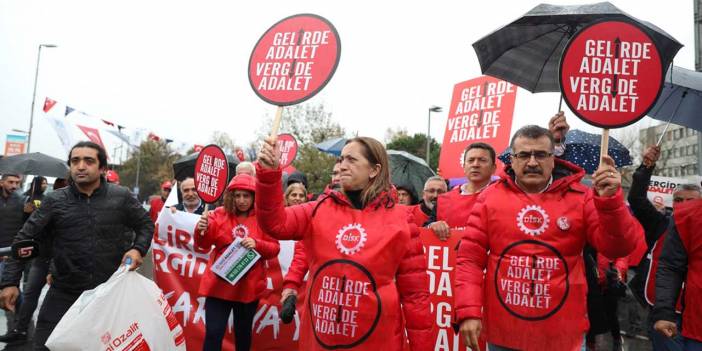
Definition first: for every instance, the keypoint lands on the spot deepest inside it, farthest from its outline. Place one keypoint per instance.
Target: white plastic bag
(126, 313)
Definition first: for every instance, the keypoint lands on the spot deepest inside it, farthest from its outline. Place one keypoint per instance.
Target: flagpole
(34, 95)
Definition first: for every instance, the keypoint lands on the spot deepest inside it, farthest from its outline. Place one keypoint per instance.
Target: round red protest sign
(287, 145)
(294, 59)
(611, 73)
(211, 173)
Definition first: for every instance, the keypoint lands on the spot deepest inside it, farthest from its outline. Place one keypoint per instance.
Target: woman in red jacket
(218, 229)
(367, 282)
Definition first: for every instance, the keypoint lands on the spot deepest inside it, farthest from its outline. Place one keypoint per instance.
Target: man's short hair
(532, 132)
(483, 146)
(689, 187)
(101, 153)
(434, 178)
(7, 175)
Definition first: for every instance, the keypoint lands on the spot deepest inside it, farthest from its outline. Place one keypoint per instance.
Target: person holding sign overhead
(368, 282)
(219, 228)
(528, 231)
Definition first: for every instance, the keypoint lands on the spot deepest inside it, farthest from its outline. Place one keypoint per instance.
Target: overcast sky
(180, 68)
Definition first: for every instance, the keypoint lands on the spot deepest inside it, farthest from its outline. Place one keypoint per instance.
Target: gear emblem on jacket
(240, 230)
(351, 239)
(532, 220)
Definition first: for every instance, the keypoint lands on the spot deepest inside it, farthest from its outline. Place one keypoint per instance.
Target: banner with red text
(178, 267)
(441, 260)
(481, 111)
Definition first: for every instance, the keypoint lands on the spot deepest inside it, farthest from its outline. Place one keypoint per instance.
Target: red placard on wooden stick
(287, 145)
(293, 60)
(211, 173)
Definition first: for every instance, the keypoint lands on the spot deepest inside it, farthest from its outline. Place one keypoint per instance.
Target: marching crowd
(535, 243)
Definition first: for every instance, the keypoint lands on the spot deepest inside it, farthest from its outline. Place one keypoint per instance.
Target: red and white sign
(178, 268)
(211, 173)
(287, 145)
(481, 111)
(294, 59)
(661, 189)
(93, 134)
(15, 144)
(441, 263)
(611, 73)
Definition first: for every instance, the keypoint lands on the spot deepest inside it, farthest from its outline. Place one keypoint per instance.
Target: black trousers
(216, 318)
(36, 279)
(56, 304)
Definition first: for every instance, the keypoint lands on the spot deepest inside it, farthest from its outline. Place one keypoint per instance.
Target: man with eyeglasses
(656, 225)
(529, 230)
(433, 188)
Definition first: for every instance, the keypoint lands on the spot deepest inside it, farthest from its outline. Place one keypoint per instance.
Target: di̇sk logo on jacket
(351, 239)
(240, 230)
(532, 220)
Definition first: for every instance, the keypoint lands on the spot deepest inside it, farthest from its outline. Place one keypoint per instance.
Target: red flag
(154, 137)
(93, 134)
(198, 147)
(48, 104)
(108, 123)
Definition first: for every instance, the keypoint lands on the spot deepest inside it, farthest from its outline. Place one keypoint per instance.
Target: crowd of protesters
(533, 215)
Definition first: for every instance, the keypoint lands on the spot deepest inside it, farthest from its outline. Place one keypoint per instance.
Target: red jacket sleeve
(620, 264)
(298, 268)
(413, 286)
(611, 229)
(471, 261)
(280, 222)
(267, 246)
(209, 238)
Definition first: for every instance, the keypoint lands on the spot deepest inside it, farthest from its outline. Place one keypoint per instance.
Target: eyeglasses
(538, 155)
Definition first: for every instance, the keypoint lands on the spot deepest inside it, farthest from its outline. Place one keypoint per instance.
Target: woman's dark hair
(101, 153)
(35, 188)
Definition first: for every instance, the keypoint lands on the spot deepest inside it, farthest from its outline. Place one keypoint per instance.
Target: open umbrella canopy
(527, 52)
(332, 146)
(34, 163)
(185, 166)
(583, 149)
(409, 171)
(680, 101)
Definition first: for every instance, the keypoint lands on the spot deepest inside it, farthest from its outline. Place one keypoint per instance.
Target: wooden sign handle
(604, 144)
(276, 123)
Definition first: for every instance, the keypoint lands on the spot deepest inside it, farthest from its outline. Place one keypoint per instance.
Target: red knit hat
(242, 182)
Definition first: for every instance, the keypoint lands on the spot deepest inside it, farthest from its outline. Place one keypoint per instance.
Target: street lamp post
(34, 95)
(433, 108)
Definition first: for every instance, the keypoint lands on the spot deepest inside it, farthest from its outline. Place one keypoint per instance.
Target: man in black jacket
(655, 226)
(93, 225)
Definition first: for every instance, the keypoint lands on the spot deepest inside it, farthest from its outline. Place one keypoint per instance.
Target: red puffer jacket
(533, 296)
(454, 208)
(367, 269)
(298, 268)
(221, 229)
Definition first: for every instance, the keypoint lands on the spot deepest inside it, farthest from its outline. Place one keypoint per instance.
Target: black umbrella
(527, 52)
(408, 170)
(34, 163)
(680, 99)
(185, 166)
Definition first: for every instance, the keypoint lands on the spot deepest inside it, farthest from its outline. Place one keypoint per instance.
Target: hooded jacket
(533, 296)
(681, 261)
(367, 269)
(222, 228)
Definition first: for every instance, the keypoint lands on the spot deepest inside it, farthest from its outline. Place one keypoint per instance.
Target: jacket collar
(100, 190)
(385, 199)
